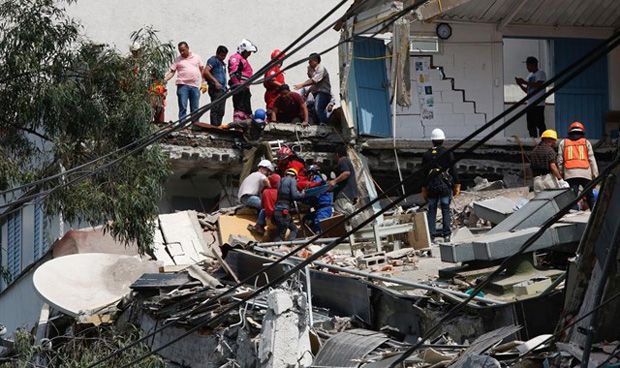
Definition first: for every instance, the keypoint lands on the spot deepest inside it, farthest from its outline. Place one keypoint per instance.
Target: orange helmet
(277, 54)
(577, 127)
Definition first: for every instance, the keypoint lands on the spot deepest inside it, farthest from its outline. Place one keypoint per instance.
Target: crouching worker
(251, 187)
(321, 204)
(287, 194)
(268, 202)
(543, 161)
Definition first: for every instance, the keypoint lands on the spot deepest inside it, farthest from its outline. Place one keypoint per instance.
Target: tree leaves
(65, 101)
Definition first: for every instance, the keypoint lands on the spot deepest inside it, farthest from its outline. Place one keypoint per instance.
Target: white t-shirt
(252, 185)
(538, 76)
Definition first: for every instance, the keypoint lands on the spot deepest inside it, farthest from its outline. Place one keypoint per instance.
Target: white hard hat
(266, 164)
(135, 46)
(246, 45)
(437, 135)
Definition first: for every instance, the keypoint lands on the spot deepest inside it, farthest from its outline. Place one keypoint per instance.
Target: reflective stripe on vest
(576, 154)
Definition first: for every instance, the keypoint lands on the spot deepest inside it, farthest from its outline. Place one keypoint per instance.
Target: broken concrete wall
(285, 339)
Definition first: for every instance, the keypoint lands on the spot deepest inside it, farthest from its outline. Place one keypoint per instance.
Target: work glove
(425, 193)
(204, 87)
(457, 189)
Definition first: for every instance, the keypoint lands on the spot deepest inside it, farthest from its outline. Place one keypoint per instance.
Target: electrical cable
(396, 186)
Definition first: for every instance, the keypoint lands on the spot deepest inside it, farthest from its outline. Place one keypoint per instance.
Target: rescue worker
(441, 182)
(344, 186)
(268, 202)
(274, 79)
(253, 148)
(287, 158)
(321, 204)
(239, 70)
(543, 161)
(576, 160)
(287, 194)
(251, 187)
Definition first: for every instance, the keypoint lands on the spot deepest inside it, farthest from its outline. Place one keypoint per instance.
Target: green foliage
(65, 101)
(83, 350)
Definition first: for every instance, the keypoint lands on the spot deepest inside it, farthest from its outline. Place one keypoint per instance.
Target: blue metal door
(371, 96)
(585, 98)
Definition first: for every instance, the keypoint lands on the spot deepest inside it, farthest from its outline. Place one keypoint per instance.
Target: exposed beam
(434, 8)
(510, 16)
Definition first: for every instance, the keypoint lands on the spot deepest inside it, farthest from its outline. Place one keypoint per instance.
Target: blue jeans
(321, 100)
(251, 201)
(445, 213)
(316, 217)
(185, 93)
(262, 218)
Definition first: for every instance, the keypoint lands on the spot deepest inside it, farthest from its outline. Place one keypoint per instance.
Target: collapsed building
(372, 297)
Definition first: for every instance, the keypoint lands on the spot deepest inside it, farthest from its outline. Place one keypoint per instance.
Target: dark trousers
(321, 100)
(575, 183)
(536, 121)
(242, 101)
(283, 223)
(433, 203)
(218, 109)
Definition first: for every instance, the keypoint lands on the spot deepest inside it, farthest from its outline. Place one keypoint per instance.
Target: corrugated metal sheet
(579, 13)
(347, 348)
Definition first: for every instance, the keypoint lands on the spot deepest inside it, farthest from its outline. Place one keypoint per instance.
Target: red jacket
(270, 196)
(272, 85)
(303, 182)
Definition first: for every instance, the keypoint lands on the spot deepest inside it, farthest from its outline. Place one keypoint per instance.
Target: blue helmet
(259, 116)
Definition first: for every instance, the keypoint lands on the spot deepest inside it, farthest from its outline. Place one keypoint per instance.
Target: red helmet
(284, 152)
(277, 54)
(577, 127)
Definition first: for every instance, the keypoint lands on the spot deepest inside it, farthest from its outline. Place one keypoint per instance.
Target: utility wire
(396, 186)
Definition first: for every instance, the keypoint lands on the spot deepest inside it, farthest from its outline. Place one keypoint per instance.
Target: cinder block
(475, 119)
(442, 108)
(450, 120)
(532, 287)
(452, 96)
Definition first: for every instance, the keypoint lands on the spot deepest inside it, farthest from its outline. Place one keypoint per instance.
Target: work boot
(258, 229)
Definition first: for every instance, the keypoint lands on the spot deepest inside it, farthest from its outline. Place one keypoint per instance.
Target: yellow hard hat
(550, 133)
(291, 171)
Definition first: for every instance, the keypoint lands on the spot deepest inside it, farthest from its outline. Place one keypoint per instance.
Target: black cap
(284, 87)
(531, 60)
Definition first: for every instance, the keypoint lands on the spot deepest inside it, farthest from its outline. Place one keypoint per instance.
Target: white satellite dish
(84, 283)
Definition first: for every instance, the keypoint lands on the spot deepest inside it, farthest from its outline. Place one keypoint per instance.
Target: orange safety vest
(576, 154)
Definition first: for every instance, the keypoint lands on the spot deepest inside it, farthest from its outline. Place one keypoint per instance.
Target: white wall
(20, 305)
(473, 57)
(206, 24)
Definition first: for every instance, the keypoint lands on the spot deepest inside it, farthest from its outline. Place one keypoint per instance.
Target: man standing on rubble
(441, 182)
(215, 75)
(536, 114)
(321, 204)
(287, 195)
(189, 67)
(320, 87)
(274, 79)
(240, 70)
(344, 185)
(253, 147)
(576, 160)
(543, 161)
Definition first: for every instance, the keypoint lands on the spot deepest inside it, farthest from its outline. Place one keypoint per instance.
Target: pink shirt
(233, 66)
(188, 70)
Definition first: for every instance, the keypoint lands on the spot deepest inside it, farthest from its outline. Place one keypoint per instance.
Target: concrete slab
(495, 210)
(183, 236)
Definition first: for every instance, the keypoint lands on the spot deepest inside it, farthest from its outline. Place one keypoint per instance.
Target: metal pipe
(296, 242)
(452, 294)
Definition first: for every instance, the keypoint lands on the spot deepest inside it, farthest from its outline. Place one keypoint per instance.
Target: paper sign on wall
(424, 87)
